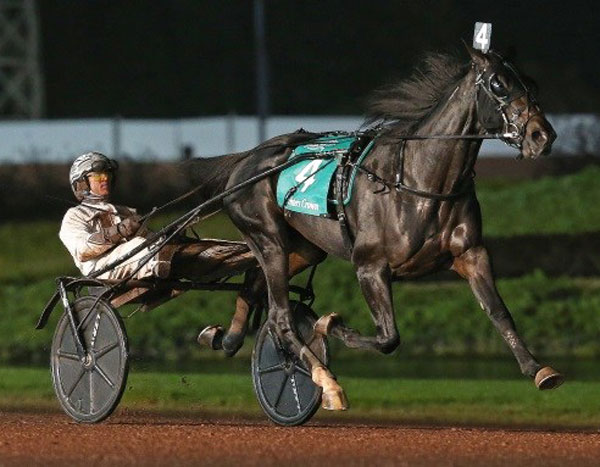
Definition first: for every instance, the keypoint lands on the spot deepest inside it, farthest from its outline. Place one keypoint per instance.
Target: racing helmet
(86, 163)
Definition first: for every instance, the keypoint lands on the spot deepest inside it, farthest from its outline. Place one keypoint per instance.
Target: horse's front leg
(474, 265)
(375, 283)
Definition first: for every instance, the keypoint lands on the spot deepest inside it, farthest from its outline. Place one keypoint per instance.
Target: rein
(155, 210)
(194, 190)
(400, 186)
(500, 136)
(512, 135)
(158, 239)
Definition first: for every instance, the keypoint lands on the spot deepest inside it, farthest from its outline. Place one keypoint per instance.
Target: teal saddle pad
(304, 186)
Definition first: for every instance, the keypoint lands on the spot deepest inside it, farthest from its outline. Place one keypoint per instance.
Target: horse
(414, 210)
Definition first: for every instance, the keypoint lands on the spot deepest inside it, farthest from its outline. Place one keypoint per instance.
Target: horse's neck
(440, 165)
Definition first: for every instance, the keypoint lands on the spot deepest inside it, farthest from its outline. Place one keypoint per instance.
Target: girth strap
(340, 178)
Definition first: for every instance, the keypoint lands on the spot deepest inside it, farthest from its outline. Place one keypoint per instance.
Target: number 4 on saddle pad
(304, 186)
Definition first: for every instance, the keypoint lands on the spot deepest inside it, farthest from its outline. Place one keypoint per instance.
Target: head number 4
(482, 36)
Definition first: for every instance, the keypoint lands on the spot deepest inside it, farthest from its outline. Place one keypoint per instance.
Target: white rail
(62, 140)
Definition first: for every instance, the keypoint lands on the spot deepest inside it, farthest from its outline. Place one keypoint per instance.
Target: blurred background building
(145, 80)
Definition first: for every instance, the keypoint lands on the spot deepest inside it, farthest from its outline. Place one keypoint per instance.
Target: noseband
(513, 131)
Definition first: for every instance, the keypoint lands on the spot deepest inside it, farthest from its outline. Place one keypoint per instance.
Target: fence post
(116, 136)
(230, 143)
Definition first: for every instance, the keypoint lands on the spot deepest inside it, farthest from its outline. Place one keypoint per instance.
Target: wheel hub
(289, 367)
(88, 361)
(89, 386)
(290, 397)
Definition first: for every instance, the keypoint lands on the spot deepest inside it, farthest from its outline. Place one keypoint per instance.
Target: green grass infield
(483, 402)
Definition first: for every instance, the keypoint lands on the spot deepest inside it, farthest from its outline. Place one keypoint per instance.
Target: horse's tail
(209, 176)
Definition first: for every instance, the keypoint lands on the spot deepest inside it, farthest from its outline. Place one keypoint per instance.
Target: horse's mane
(400, 106)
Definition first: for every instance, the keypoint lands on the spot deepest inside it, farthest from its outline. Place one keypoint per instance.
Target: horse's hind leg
(252, 294)
(249, 297)
(270, 250)
(376, 287)
(474, 265)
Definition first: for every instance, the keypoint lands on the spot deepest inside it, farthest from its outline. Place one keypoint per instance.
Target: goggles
(104, 165)
(99, 176)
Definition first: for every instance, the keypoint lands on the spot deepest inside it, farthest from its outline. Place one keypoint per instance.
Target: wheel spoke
(76, 382)
(68, 355)
(280, 393)
(91, 392)
(95, 331)
(104, 350)
(304, 371)
(103, 375)
(85, 319)
(271, 369)
(295, 391)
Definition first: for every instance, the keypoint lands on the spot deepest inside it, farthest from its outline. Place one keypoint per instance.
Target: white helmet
(86, 163)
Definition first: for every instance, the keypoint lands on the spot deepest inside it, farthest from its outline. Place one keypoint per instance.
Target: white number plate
(482, 38)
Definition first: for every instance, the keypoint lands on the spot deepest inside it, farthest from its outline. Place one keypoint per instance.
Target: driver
(97, 232)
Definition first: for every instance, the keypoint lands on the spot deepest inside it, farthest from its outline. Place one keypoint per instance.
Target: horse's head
(506, 102)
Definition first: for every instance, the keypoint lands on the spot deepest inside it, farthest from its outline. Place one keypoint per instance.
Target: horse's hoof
(333, 397)
(334, 400)
(548, 378)
(212, 337)
(231, 343)
(325, 323)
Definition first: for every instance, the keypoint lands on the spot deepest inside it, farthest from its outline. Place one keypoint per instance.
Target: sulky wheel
(90, 388)
(282, 383)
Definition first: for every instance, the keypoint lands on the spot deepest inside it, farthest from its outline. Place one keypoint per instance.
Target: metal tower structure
(21, 89)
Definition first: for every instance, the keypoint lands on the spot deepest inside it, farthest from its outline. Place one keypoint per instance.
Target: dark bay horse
(427, 218)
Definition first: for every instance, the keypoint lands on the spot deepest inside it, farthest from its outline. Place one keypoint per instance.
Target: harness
(510, 122)
(513, 134)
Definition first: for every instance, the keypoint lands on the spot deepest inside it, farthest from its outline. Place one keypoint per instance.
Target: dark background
(173, 58)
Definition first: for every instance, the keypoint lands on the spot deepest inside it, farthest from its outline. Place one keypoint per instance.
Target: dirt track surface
(52, 439)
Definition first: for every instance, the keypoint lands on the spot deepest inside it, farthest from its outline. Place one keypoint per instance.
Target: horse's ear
(477, 56)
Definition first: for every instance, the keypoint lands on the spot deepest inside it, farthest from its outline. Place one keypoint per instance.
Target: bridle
(512, 131)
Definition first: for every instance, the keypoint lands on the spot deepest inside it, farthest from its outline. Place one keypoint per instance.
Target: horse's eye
(497, 87)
